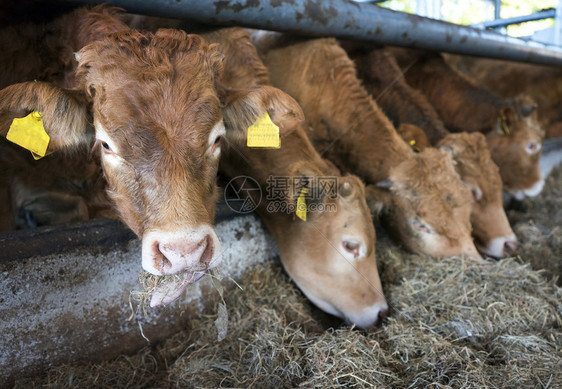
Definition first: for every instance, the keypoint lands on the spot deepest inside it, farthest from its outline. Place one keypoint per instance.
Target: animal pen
(74, 312)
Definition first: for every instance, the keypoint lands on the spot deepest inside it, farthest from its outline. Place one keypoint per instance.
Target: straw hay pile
(453, 323)
(538, 225)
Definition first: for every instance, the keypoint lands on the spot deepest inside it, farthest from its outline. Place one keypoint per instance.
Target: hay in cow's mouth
(453, 323)
(160, 286)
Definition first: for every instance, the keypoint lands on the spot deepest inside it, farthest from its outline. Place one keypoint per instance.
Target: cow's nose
(383, 314)
(369, 316)
(510, 248)
(180, 255)
(173, 253)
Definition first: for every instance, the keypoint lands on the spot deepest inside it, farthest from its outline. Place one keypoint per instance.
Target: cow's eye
(106, 148)
(216, 145)
(421, 226)
(351, 247)
(533, 147)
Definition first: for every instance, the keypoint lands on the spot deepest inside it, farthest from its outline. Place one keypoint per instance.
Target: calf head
(490, 228)
(426, 206)
(158, 124)
(331, 255)
(515, 145)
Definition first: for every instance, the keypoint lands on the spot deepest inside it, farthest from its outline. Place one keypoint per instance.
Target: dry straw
(453, 324)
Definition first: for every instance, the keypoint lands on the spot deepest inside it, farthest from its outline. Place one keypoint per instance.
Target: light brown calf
(383, 78)
(157, 124)
(511, 127)
(421, 197)
(490, 228)
(331, 255)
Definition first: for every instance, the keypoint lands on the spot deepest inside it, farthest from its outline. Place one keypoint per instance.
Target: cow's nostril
(207, 255)
(383, 314)
(160, 260)
(510, 247)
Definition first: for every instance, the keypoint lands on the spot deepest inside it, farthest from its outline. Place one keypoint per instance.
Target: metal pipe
(558, 24)
(347, 20)
(516, 20)
(497, 9)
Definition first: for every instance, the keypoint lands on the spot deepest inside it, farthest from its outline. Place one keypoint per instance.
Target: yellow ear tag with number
(301, 205)
(413, 146)
(29, 133)
(264, 133)
(504, 126)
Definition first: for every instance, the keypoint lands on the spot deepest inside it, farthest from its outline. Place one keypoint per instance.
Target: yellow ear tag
(504, 126)
(413, 146)
(301, 205)
(264, 133)
(29, 133)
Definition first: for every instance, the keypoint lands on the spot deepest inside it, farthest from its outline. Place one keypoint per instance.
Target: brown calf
(381, 74)
(157, 124)
(512, 131)
(331, 255)
(384, 80)
(421, 196)
(512, 79)
(57, 189)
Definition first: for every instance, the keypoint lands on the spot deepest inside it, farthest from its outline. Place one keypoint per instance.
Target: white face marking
(368, 316)
(535, 189)
(217, 131)
(516, 194)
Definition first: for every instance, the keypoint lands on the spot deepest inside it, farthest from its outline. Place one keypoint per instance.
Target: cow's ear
(308, 187)
(414, 136)
(525, 105)
(64, 116)
(378, 198)
(304, 175)
(508, 116)
(244, 107)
